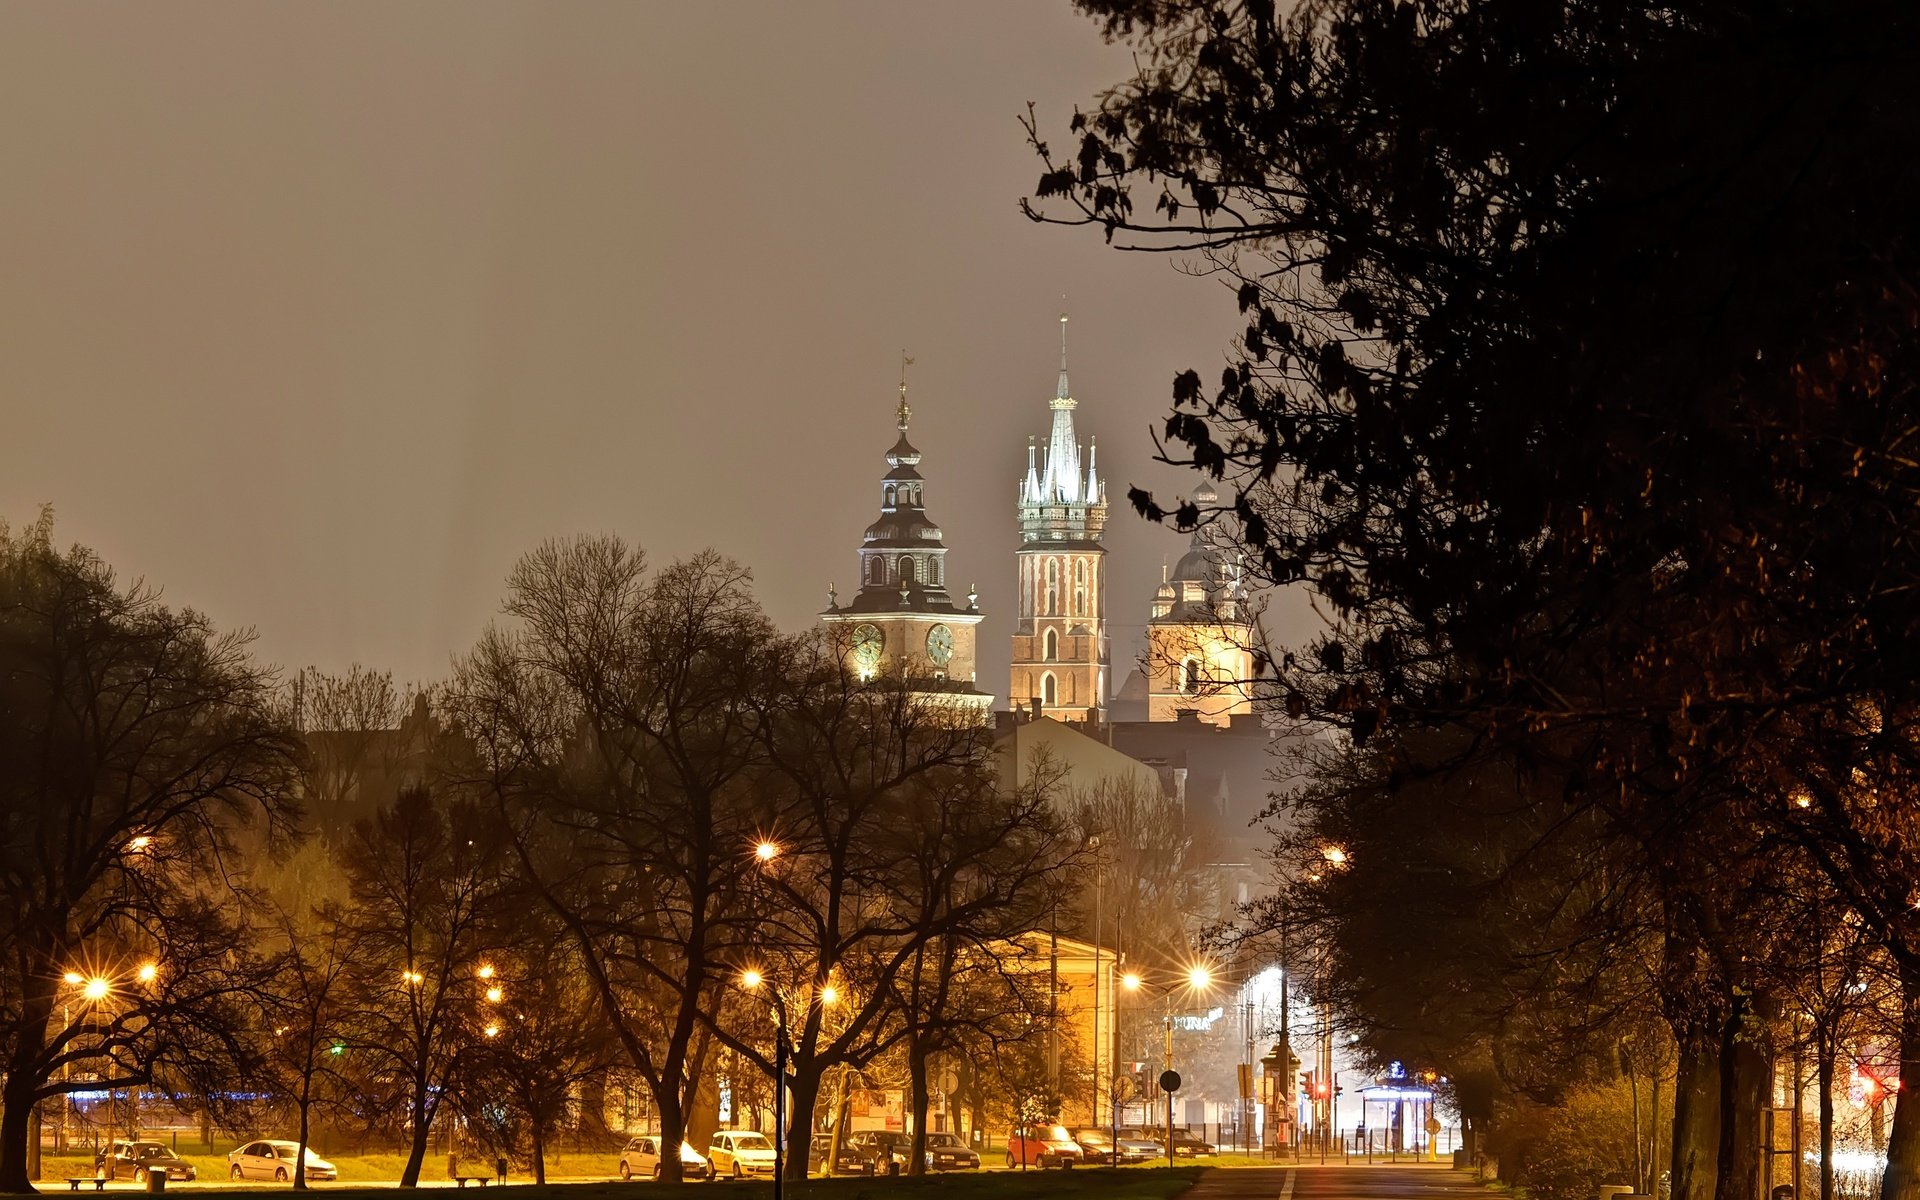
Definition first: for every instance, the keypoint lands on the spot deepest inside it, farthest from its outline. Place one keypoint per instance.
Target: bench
(464, 1180)
(99, 1182)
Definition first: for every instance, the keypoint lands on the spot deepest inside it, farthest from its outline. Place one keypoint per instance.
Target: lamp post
(1197, 980)
(1128, 982)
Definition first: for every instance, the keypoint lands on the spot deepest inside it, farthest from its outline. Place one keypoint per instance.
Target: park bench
(99, 1182)
(464, 1180)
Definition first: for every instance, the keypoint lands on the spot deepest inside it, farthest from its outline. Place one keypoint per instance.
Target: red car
(1043, 1146)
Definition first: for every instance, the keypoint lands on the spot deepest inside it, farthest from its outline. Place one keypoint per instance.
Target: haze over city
(320, 318)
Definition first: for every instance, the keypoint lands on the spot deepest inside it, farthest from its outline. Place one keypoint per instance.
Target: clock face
(939, 645)
(868, 642)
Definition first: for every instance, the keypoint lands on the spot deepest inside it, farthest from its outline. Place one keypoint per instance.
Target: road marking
(1286, 1189)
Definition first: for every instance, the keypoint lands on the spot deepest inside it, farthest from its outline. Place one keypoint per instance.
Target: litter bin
(157, 1181)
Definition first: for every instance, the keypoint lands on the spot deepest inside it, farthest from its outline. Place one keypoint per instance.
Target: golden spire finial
(903, 412)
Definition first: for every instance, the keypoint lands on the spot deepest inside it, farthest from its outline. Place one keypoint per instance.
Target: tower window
(1051, 642)
(1190, 676)
(889, 495)
(934, 572)
(876, 570)
(1053, 587)
(1049, 695)
(906, 570)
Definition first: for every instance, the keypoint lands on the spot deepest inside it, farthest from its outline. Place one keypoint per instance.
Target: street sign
(950, 1082)
(1123, 1088)
(1169, 1081)
(1433, 1126)
(1246, 1080)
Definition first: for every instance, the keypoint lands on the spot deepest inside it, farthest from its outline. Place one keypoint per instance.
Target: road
(1336, 1183)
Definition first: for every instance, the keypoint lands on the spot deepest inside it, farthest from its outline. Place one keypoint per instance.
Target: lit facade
(1060, 655)
(903, 622)
(1200, 636)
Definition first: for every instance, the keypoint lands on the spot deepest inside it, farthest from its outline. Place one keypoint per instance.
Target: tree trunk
(1902, 1180)
(16, 1107)
(1696, 1112)
(1744, 1095)
(417, 1146)
(673, 1130)
(1826, 1051)
(917, 1054)
(306, 1108)
(540, 1154)
(805, 1093)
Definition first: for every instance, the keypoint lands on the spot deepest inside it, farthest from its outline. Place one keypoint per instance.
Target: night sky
(319, 316)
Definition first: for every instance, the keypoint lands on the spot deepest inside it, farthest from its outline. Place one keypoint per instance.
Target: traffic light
(1306, 1083)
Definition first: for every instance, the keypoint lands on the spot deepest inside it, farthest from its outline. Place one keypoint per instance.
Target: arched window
(1051, 642)
(1080, 587)
(1049, 696)
(1190, 676)
(889, 501)
(906, 570)
(933, 571)
(876, 570)
(1053, 587)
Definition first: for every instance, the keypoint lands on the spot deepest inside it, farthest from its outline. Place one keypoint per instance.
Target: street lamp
(753, 980)
(767, 851)
(148, 972)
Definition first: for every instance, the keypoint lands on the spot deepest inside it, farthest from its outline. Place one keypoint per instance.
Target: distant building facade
(903, 622)
(1060, 655)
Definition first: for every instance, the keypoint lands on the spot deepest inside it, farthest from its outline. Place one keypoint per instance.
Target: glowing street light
(96, 989)
(491, 1031)
(1337, 855)
(485, 971)
(74, 979)
(829, 995)
(495, 995)
(413, 978)
(148, 972)
(1199, 978)
(140, 843)
(767, 851)
(1130, 981)
(750, 978)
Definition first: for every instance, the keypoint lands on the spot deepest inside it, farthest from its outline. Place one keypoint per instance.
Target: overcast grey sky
(320, 315)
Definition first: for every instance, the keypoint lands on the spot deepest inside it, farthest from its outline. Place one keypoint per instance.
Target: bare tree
(134, 741)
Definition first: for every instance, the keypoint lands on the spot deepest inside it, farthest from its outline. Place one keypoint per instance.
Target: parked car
(1138, 1148)
(275, 1160)
(1042, 1146)
(946, 1152)
(135, 1160)
(1185, 1145)
(886, 1145)
(1096, 1145)
(741, 1154)
(642, 1157)
(855, 1158)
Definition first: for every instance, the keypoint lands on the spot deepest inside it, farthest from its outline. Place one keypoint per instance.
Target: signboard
(1169, 1081)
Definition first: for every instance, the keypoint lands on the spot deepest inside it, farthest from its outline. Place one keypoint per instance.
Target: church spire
(1063, 394)
(904, 413)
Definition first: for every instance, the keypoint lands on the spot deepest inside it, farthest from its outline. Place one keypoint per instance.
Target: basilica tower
(903, 623)
(1200, 634)
(1060, 631)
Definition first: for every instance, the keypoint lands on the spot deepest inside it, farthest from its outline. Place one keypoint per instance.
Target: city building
(1200, 634)
(1060, 656)
(903, 622)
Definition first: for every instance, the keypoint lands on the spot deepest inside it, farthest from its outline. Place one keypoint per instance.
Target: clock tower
(1060, 631)
(903, 623)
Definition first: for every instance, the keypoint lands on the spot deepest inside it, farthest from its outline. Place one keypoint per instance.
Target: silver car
(275, 1160)
(642, 1157)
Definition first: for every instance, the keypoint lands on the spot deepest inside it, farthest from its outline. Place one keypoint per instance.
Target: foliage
(136, 743)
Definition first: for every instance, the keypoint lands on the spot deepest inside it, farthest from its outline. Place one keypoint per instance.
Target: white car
(741, 1154)
(642, 1158)
(275, 1160)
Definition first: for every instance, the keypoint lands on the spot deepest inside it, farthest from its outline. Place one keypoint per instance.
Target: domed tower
(1200, 634)
(1060, 633)
(903, 622)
